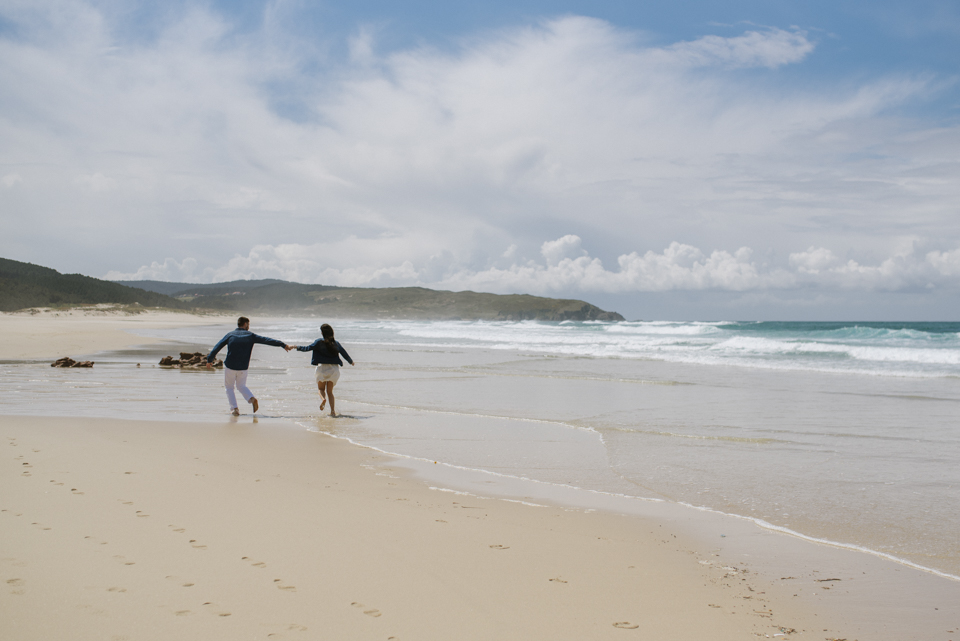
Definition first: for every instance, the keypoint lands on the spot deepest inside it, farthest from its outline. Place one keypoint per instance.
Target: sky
(690, 160)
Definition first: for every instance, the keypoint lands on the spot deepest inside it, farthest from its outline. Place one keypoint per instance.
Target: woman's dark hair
(327, 332)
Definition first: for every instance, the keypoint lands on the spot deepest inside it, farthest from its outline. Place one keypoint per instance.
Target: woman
(326, 356)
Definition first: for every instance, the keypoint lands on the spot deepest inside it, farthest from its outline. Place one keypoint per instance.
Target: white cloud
(261, 156)
(771, 48)
(170, 269)
(813, 261)
(11, 179)
(908, 269)
(566, 268)
(96, 182)
(561, 249)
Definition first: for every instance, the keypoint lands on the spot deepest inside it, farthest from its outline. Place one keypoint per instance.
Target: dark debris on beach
(187, 360)
(66, 361)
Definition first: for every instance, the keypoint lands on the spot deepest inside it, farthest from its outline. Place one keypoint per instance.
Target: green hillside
(191, 289)
(386, 302)
(24, 285)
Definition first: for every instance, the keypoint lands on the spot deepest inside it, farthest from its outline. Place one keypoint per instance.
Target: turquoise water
(892, 349)
(845, 432)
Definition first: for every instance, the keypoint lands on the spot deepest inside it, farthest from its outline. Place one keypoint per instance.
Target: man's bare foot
(256, 405)
(235, 412)
(323, 403)
(334, 414)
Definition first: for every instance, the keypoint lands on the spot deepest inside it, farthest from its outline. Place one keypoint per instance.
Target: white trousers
(238, 378)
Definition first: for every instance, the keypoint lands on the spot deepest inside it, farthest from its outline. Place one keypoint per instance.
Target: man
(240, 344)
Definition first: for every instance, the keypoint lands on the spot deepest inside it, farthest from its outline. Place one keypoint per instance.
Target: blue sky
(667, 160)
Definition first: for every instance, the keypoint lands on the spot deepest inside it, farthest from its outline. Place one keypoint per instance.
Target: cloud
(170, 269)
(11, 179)
(203, 152)
(555, 251)
(566, 268)
(906, 270)
(96, 182)
(771, 48)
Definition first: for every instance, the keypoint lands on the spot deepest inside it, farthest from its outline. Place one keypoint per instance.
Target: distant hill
(24, 285)
(267, 296)
(188, 289)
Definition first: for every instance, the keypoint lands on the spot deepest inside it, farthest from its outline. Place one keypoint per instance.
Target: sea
(839, 432)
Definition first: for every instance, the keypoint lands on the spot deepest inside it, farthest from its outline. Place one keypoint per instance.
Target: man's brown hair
(243, 320)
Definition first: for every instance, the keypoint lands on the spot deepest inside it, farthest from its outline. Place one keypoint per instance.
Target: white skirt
(327, 372)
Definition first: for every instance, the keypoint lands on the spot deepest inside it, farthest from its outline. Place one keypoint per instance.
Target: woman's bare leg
(333, 409)
(323, 394)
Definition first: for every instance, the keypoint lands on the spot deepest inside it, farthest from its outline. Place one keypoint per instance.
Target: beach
(133, 507)
(46, 332)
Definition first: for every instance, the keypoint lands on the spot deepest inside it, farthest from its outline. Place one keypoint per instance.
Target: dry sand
(137, 530)
(247, 529)
(52, 333)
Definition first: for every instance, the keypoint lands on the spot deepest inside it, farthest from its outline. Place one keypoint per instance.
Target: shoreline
(179, 505)
(871, 602)
(511, 487)
(202, 529)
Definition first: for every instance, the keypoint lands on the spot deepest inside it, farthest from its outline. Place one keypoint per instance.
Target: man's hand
(289, 347)
(209, 365)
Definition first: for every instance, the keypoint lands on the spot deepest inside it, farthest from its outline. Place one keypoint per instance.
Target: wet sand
(143, 530)
(254, 528)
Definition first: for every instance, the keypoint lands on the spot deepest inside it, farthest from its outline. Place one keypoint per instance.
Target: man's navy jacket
(240, 344)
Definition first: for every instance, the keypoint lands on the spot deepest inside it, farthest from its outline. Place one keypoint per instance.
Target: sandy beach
(52, 333)
(258, 528)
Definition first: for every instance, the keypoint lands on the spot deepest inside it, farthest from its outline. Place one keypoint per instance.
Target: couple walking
(326, 356)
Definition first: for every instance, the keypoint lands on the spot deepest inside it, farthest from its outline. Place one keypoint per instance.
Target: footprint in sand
(179, 529)
(626, 625)
(116, 589)
(370, 613)
(16, 583)
(499, 547)
(139, 513)
(183, 613)
(76, 491)
(215, 607)
(280, 586)
(558, 580)
(293, 627)
(258, 564)
(125, 502)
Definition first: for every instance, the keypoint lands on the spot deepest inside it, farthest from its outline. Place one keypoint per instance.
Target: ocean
(846, 433)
